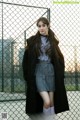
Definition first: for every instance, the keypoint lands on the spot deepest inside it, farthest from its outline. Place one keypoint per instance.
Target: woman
(43, 70)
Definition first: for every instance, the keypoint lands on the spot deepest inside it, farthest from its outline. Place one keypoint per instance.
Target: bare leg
(46, 102)
(46, 98)
(48, 105)
(51, 95)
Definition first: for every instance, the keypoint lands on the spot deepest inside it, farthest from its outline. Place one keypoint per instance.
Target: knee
(47, 104)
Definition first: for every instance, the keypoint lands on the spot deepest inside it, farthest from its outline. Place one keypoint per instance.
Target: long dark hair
(51, 37)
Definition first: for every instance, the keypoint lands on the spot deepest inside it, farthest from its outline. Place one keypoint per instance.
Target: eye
(39, 26)
(43, 25)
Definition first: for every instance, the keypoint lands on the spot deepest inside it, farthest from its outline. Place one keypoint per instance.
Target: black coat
(34, 102)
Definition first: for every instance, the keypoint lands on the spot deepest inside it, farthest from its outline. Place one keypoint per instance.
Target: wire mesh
(17, 23)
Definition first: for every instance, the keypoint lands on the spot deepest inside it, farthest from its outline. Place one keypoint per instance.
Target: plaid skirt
(45, 77)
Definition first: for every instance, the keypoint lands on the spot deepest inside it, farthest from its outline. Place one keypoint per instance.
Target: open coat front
(34, 102)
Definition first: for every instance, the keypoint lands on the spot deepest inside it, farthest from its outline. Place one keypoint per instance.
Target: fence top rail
(24, 5)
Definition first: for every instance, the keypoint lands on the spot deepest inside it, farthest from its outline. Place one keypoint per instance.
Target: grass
(72, 88)
(21, 88)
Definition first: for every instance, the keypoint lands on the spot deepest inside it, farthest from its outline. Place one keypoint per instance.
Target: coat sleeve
(25, 60)
(61, 59)
(25, 64)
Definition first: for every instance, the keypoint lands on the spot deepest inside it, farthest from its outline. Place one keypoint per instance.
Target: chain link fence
(17, 23)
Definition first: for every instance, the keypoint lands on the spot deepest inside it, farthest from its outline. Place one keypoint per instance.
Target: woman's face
(43, 28)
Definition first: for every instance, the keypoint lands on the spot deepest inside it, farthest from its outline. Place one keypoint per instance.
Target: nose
(41, 29)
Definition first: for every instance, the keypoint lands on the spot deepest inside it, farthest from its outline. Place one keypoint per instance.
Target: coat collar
(51, 34)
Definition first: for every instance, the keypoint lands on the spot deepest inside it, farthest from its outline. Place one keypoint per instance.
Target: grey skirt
(45, 77)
